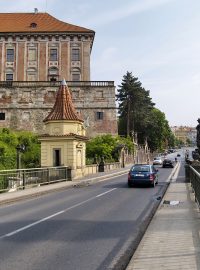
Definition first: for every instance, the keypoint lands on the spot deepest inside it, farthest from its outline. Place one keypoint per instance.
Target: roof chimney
(35, 10)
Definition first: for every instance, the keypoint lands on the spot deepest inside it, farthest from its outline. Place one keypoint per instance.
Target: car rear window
(167, 160)
(140, 169)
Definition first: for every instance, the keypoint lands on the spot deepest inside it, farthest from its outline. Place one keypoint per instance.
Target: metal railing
(26, 178)
(194, 177)
(10, 84)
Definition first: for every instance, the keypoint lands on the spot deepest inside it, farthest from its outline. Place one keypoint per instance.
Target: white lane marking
(113, 176)
(177, 167)
(105, 193)
(176, 173)
(33, 224)
(51, 216)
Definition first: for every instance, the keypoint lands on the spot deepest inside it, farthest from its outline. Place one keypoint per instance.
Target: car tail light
(129, 176)
(151, 176)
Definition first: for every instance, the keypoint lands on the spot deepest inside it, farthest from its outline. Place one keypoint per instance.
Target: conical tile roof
(63, 108)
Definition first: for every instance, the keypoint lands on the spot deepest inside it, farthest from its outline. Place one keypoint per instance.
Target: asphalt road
(83, 228)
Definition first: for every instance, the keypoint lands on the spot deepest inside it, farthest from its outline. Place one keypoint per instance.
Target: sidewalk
(172, 240)
(14, 196)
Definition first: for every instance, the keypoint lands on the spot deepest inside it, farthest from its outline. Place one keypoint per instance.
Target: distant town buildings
(185, 134)
(36, 52)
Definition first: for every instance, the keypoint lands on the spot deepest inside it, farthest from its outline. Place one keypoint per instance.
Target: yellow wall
(72, 152)
(63, 127)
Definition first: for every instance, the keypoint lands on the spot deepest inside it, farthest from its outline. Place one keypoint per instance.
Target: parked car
(143, 174)
(157, 161)
(168, 163)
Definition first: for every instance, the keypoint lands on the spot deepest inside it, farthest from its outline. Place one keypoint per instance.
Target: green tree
(101, 146)
(158, 132)
(135, 105)
(137, 113)
(107, 146)
(31, 156)
(8, 154)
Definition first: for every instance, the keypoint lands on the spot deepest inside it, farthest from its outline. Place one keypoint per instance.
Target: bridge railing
(194, 177)
(27, 178)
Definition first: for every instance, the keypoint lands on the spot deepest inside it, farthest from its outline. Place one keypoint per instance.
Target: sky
(157, 40)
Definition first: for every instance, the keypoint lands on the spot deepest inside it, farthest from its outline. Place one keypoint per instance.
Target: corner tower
(63, 144)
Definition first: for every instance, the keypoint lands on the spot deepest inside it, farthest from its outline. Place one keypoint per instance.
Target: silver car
(157, 161)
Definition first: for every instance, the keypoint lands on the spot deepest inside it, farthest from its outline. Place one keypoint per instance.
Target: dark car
(168, 163)
(143, 174)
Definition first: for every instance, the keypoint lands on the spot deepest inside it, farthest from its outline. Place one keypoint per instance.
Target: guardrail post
(69, 174)
(23, 179)
(48, 177)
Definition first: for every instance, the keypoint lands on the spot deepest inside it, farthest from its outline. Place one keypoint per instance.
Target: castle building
(36, 52)
(38, 47)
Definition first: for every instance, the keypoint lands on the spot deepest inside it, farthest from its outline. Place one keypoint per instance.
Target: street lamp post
(20, 148)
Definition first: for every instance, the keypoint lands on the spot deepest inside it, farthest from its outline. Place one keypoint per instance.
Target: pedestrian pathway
(172, 240)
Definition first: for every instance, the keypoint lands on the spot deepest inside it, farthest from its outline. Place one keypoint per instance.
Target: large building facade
(38, 47)
(185, 134)
(36, 52)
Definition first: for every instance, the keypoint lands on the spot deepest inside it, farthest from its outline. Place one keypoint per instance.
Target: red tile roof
(63, 108)
(43, 22)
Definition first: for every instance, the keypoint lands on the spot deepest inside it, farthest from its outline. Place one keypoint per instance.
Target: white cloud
(124, 11)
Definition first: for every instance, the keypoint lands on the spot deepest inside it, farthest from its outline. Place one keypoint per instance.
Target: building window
(31, 77)
(53, 79)
(9, 77)
(2, 116)
(53, 71)
(75, 55)
(33, 25)
(10, 55)
(31, 54)
(99, 115)
(53, 74)
(75, 77)
(31, 74)
(53, 55)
